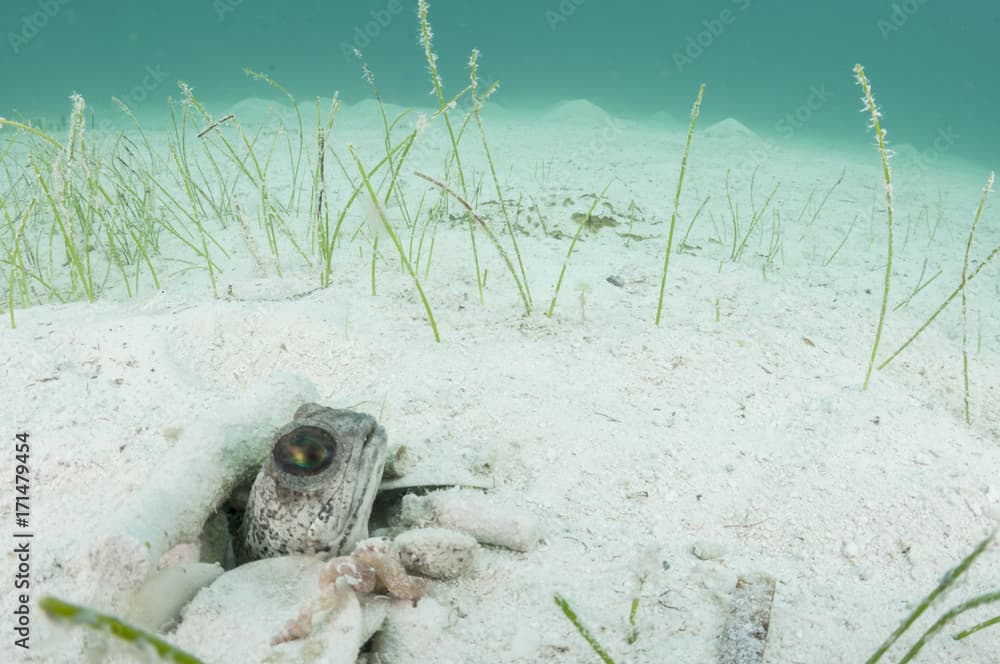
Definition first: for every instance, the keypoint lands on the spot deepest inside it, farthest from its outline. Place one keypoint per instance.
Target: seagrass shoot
(695, 109)
(98, 213)
(869, 106)
(966, 276)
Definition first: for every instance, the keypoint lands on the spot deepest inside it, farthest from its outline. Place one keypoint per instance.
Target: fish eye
(305, 451)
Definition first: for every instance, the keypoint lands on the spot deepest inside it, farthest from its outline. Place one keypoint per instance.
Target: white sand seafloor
(738, 428)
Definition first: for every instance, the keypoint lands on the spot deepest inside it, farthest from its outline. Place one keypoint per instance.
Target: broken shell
(438, 553)
(474, 513)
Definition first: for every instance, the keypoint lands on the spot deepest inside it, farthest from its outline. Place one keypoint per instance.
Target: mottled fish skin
(314, 493)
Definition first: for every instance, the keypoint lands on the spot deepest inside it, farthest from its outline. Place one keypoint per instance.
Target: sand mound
(579, 112)
(663, 119)
(367, 109)
(254, 110)
(730, 129)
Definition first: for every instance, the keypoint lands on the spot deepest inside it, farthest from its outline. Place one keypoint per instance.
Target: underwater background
(779, 66)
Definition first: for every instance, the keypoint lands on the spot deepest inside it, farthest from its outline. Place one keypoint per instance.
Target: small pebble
(398, 463)
(615, 280)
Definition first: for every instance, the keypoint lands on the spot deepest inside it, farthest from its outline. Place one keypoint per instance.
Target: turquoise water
(781, 67)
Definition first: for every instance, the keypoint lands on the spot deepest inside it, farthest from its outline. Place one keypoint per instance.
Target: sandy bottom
(736, 431)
